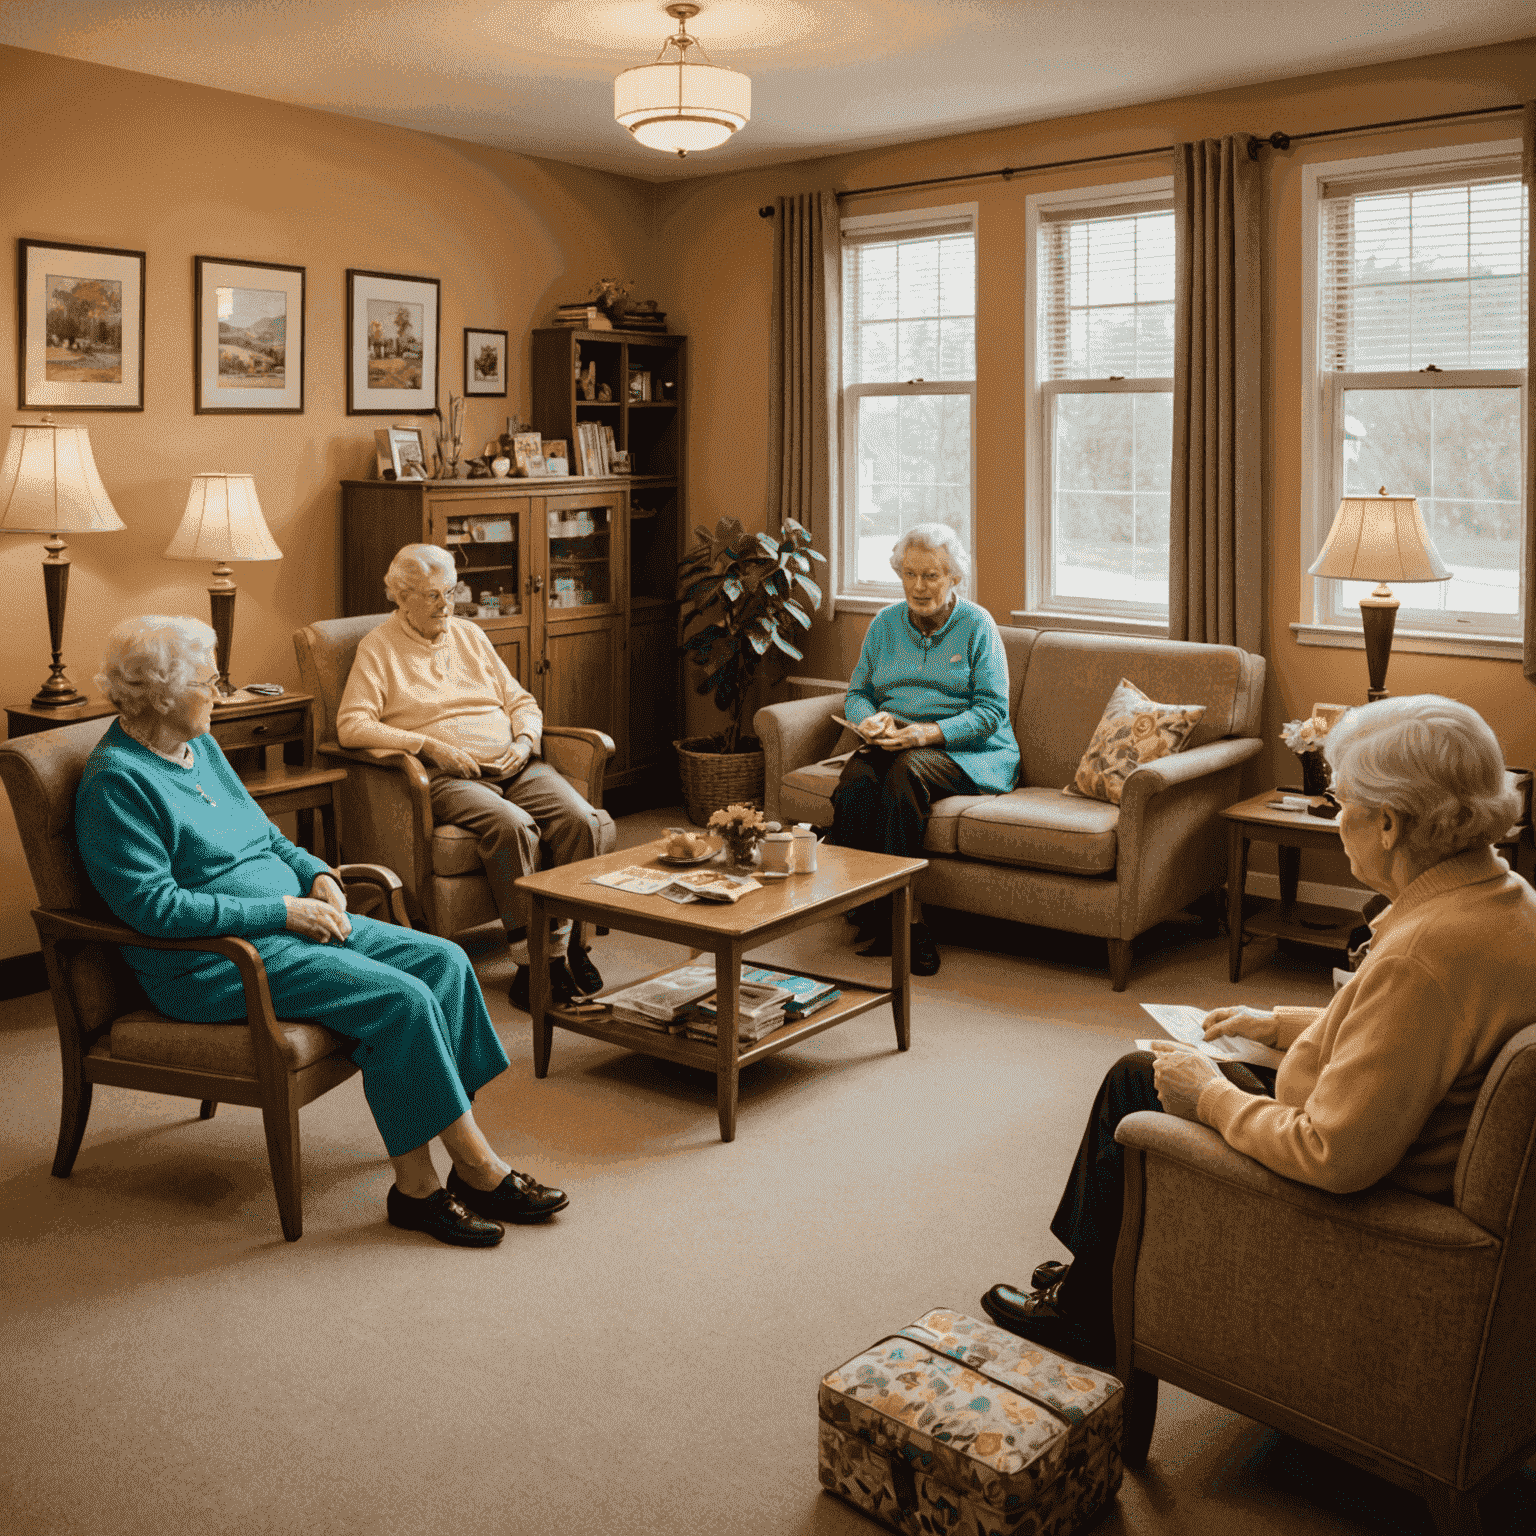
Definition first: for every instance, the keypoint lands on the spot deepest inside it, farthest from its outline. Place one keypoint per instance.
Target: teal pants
(410, 1000)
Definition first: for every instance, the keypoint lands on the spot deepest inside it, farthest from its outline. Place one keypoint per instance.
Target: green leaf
(810, 588)
(768, 544)
(786, 647)
(759, 643)
(799, 563)
(731, 589)
(800, 615)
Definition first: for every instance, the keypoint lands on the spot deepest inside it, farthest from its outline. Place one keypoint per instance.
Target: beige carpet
(648, 1362)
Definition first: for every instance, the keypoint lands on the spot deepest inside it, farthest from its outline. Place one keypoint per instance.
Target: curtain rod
(1276, 140)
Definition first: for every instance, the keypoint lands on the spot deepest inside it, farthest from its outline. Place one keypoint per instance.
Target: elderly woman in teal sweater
(178, 849)
(930, 698)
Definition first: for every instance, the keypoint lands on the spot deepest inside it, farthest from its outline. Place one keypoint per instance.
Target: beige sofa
(1039, 856)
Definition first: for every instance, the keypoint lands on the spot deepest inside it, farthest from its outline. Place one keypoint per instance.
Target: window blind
(1107, 293)
(1431, 273)
(909, 304)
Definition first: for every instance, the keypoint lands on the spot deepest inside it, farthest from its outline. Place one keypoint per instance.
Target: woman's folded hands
(322, 915)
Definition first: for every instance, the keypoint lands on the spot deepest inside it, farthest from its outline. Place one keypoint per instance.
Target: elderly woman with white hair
(1380, 1084)
(431, 684)
(930, 698)
(178, 849)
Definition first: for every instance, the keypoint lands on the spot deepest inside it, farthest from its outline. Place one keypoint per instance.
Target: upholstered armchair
(109, 1034)
(386, 805)
(1390, 1330)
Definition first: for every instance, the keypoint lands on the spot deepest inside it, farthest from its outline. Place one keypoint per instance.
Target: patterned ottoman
(954, 1425)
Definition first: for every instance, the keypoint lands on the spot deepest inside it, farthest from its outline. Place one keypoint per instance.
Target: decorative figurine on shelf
(589, 383)
(450, 438)
(604, 394)
(611, 295)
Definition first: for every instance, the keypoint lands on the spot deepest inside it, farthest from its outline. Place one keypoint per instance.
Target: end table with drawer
(246, 730)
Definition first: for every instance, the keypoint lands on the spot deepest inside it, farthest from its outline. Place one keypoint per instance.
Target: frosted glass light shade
(1381, 539)
(680, 107)
(49, 483)
(223, 521)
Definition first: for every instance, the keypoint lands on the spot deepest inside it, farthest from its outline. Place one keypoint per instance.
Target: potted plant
(742, 602)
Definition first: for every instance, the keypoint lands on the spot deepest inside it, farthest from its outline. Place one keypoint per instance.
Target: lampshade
(223, 521)
(1380, 538)
(675, 105)
(49, 483)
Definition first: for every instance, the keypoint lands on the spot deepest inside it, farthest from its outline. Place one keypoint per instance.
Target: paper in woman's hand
(895, 726)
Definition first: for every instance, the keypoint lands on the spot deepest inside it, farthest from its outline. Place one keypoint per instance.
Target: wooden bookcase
(586, 624)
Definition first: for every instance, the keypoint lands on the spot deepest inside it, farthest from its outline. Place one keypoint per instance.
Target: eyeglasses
(932, 577)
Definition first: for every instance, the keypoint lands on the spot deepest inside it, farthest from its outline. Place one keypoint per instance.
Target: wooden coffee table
(845, 877)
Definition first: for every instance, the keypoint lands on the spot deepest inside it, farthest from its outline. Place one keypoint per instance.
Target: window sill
(1106, 624)
(1424, 642)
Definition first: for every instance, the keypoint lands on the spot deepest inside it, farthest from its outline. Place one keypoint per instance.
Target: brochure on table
(694, 885)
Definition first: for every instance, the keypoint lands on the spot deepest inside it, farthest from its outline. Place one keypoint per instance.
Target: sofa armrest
(794, 734)
(1381, 1212)
(1154, 777)
(579, 754)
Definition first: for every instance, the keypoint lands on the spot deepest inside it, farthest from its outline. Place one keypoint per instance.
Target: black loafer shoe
(924, 952)
(562, 985)
(583, 972)
(518, 1198)
(441, 1216)
(1034, 1315)
(1049, 1273)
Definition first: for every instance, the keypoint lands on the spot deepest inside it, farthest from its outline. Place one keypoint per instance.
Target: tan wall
(98, 156)
(722, 295)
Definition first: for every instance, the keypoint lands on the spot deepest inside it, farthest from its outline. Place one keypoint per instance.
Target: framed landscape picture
(248, 337)
(392, 343)
(80, 327)
(485, 363)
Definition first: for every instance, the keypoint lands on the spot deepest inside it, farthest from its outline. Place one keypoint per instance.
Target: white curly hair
(940, 538)
(1431, 759)
(151, 661)
(415, 565)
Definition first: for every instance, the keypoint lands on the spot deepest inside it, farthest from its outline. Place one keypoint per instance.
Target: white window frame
(1042, 610)
(853, 595)
(1324, 620)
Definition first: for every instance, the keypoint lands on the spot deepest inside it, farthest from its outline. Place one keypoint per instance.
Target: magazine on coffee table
(693, 885)
(1182, 1022)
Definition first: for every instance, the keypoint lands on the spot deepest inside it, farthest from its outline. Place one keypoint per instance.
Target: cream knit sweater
(1381, 1083)
(404, 688)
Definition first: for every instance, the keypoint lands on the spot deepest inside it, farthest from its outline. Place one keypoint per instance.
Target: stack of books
(595, 447)
(583, 317)
(656, 1004)
(644, 320)
(768, 999)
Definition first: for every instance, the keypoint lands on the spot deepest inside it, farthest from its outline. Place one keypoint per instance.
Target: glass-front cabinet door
(583, 553)
(488, 537)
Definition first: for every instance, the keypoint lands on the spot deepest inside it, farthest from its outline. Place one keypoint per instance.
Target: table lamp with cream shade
(223, 522)
(1379, 538)
(49, 484)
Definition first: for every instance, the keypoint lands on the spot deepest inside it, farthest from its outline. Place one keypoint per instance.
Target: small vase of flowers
(1305, 738)
(741, 828)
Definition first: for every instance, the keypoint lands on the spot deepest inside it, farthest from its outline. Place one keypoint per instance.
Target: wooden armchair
(109, 1034)
(1390, 1330)
(387, 804)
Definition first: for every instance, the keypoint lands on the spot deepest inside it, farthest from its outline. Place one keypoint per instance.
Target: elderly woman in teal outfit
(930, 698)
(178, 849)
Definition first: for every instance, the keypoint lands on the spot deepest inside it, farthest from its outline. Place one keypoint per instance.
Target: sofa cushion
(455, 851)
(1041, 828)
(806, 793)
(1133, 730)
(942, 835)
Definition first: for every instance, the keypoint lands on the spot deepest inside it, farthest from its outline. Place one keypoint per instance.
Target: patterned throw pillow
(1132, 731)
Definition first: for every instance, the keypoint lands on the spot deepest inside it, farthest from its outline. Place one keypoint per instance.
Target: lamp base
(56, 693)
(58, 690)
(1378, 618)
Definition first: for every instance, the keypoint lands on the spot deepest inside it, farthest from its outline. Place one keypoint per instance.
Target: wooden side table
(1254, 820)
(247, 732)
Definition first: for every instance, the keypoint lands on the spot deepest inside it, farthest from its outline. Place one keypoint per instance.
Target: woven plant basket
(714, 780)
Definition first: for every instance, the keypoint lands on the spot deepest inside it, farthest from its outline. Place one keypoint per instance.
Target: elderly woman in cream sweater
(431, 684)
(1380, 1084)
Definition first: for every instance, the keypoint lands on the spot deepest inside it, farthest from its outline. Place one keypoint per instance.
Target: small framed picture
(555, 460)
(485, 363)
(527, 446)
(248, 337)
(80, 333)
(400, 453)
(639, 386)
(392, 343)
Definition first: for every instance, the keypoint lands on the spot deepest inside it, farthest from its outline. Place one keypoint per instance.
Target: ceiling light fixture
(674, 104)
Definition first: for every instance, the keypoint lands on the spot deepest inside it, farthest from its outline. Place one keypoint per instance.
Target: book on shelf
(657, 1002)
(582, 317)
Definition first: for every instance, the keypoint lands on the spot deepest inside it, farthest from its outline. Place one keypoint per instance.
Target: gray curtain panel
(1528, 580)
(1216, 540)
(803, 374)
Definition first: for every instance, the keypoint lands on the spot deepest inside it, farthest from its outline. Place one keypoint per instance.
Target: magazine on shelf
(693, 885)
(1182, 1023)
(657, 1002)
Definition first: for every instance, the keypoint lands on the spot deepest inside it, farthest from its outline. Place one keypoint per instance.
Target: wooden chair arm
(580, 753)
(384, 880)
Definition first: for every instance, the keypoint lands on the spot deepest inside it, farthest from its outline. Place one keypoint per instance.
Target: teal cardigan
(182, 853)
(955, 678)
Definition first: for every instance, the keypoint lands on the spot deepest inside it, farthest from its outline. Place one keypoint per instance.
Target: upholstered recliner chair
(1036, 855)
(386, 804)
(1388, 1329)
(108, 1033)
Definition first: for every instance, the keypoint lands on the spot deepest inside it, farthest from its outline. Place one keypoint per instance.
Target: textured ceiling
(828, 76)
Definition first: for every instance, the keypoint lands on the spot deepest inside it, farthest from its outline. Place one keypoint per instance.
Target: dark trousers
(1088, 1218)
(883, 798)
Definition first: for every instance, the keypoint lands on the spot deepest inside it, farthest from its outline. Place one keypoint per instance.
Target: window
(1420, 371)
(909, 386)
(1101, 408)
